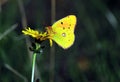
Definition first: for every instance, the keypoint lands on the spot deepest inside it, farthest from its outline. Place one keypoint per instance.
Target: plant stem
(33, 67)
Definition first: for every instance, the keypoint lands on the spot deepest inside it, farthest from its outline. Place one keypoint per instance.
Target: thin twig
(22, 11)
(16, 72)
(8, 31)
(52, 53)
(24, 24)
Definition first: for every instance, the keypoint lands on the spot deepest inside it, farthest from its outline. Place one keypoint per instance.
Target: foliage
(94, 57)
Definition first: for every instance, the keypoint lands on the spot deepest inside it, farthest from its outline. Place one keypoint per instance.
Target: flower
(41, 36)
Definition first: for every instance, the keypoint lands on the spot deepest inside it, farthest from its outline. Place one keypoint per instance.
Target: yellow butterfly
(62, 31)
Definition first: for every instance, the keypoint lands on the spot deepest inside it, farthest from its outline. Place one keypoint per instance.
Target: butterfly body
(62, 31)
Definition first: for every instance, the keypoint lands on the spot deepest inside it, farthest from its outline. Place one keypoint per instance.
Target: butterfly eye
(63, 34)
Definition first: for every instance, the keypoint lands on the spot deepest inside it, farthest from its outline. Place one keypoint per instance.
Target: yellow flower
(39, 35)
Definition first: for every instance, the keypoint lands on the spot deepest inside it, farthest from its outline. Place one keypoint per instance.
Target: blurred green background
(94, 57)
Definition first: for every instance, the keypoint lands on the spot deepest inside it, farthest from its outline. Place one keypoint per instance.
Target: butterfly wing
(64, 31)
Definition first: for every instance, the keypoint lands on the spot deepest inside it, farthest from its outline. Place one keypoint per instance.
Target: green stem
(33, 67)
(34, 59)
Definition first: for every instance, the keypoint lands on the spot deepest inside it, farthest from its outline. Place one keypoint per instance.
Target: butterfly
(62, 31)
